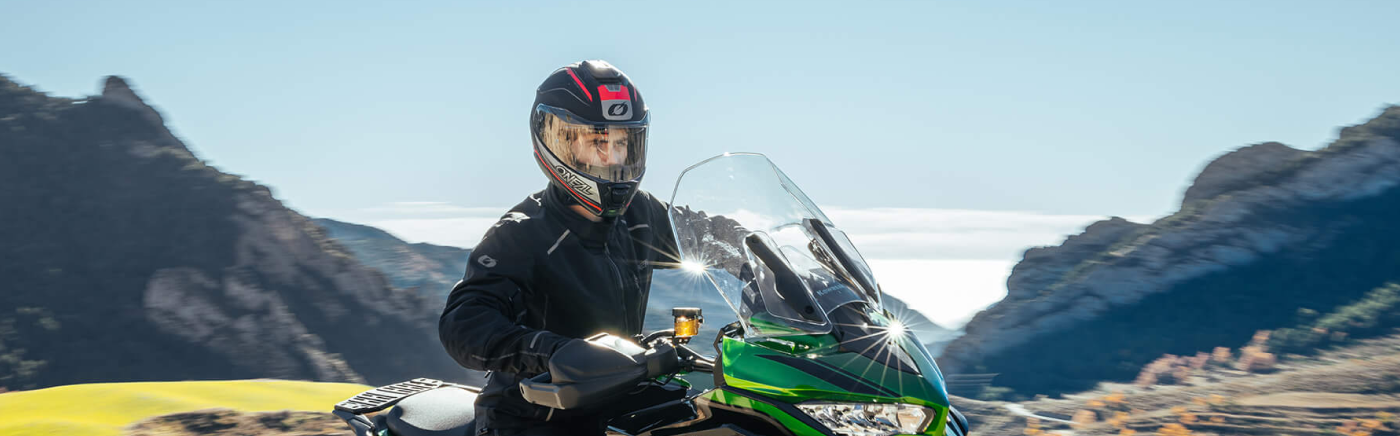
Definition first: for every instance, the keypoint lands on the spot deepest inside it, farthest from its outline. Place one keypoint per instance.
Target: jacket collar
(593, 234)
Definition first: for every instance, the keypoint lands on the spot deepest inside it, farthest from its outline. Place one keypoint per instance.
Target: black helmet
(589, 126)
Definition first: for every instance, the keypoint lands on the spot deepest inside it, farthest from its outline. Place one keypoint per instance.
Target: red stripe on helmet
(566, 185)
(580, 83)
(605, 94)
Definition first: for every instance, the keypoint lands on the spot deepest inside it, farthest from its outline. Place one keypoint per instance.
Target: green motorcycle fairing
(800, 368)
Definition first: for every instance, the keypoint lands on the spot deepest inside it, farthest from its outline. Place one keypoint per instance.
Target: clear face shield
(614, 152)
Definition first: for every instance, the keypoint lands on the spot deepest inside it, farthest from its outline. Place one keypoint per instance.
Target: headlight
(869, 419)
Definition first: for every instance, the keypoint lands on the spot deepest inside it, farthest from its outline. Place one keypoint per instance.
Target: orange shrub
(1199, 360)
(1221, 355)
(1084, 418)
(1260, 337)
(1347, 427)
(1114, 399)
(1033, 426)
(1181, 373)
(1164, 370)
(1255, 359)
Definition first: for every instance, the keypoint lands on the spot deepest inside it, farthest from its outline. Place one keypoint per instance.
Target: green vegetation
(1372, 314)
(105, 408)
(15, 369)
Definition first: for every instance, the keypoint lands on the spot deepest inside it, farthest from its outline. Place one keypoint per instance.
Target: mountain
(127, 258)
(1265, 236)
(432, 270)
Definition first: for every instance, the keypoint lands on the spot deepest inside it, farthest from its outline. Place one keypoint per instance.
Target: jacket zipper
(617, 272)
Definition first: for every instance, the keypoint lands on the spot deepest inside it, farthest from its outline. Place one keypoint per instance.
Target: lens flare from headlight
(869, 419)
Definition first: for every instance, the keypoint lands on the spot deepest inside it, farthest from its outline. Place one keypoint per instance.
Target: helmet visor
(615, 152)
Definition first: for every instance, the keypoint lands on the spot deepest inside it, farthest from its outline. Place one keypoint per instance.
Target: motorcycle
(811, 351)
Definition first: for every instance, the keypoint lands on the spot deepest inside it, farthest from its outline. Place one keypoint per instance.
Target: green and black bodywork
(812, 351)
(769, 376)
(759, 383)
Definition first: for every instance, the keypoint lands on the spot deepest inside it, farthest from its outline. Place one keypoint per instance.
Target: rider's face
(601, 148)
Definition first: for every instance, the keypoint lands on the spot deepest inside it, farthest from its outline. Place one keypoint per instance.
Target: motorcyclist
(567, 262)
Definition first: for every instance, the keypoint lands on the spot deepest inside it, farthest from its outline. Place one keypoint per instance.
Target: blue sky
(1035, 112)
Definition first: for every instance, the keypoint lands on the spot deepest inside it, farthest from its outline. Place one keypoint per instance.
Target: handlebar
(657, 335)
(691, 360)
(584, 372)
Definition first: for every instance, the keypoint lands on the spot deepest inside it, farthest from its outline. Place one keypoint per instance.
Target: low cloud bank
(949, 292)
(953, 234)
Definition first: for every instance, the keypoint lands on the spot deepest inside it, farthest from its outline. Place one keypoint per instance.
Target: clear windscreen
(765, 247)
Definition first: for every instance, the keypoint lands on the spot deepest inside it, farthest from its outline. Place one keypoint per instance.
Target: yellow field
(105, 408)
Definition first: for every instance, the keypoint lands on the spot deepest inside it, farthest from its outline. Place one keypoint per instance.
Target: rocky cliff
(427, 269)
(125, 257)
(1252, 216)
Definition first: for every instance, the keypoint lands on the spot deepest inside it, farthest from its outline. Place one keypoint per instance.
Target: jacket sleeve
(480, 326)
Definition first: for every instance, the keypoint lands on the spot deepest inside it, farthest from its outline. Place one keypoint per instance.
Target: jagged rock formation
(1262, 203)
(127, 258)
(1041, 267)
(115, 91)
(1227, 173)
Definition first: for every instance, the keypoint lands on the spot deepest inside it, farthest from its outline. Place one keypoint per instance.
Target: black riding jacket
(543, 275)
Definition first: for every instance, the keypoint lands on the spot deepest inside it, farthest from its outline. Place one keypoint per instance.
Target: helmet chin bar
(616, 196)
(604, 199)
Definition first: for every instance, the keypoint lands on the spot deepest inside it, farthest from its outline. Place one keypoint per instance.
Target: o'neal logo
(574, 181)
(618, 109)
(616, 102)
